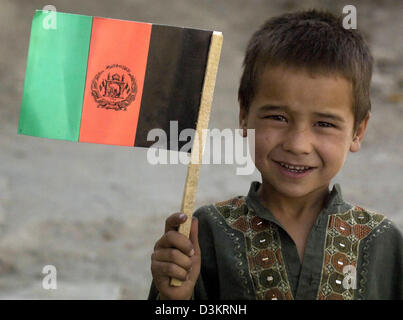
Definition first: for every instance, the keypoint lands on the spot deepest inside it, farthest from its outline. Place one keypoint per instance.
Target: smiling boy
(304, 128)
(305, 91)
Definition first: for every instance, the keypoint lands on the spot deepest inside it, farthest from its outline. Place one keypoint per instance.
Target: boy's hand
(176, 256)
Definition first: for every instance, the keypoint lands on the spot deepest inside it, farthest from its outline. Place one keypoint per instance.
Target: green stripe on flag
(55, 76)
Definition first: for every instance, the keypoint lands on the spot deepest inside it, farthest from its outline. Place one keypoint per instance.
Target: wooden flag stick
(192, 177)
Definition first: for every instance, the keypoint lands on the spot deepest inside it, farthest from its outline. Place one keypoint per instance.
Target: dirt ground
(94, 211)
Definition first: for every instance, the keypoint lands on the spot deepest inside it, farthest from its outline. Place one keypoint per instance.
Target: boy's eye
(325, 124)
(276, 117)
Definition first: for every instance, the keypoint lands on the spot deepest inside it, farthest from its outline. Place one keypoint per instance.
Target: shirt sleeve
(153, 294)
(381, 272)
(207, 284)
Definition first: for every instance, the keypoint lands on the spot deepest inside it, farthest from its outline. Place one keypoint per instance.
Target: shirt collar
(334, 204)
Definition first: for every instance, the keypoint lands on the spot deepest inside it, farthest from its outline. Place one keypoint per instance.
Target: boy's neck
(293, 209)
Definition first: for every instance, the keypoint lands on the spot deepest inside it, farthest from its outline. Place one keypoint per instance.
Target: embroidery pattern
(344, 233)
(263, 249)
(237, 245)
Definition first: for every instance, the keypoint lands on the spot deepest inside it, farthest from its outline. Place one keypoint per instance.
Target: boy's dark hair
(315, 41)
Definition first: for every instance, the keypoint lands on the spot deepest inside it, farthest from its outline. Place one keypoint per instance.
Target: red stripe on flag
(114, 84)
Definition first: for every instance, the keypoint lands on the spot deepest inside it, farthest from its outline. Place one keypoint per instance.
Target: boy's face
(303, 129)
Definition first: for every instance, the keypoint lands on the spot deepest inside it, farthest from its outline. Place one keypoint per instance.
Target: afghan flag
(109, 81)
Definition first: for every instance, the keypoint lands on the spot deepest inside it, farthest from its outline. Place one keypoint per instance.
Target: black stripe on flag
(176, 65)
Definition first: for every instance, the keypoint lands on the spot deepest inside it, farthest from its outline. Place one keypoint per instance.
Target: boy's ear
(243, 115)
(243, 123)
(359, 134)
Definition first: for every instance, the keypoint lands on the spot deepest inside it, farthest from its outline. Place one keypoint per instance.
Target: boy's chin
(291, 190)
(294, 191)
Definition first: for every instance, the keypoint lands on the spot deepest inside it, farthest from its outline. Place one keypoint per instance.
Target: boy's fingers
(174, 221)
(174, 239)
(169, 270)
(173, 256)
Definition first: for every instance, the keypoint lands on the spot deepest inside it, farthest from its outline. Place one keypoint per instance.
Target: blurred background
(95, 211)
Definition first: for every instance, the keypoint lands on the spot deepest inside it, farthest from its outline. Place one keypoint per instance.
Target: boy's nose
(298, 141)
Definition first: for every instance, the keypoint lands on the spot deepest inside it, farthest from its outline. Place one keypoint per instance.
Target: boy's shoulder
(223, 214)
(358, 216)
(361, 223)
(233, 207)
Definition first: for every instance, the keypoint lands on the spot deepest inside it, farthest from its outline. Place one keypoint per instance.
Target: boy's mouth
(293, 168)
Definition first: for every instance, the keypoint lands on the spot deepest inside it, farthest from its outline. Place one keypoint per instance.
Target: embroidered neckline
(267, 269)
(344, 234)
(263, 249)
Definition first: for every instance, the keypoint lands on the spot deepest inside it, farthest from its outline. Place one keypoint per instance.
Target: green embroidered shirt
(351, 253)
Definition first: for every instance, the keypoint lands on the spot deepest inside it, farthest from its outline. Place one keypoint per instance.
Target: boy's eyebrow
(269, 107)
(327, 115)
(330, 116)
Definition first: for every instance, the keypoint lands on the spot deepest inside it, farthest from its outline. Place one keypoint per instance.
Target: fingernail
(192, 252)
(182, 216)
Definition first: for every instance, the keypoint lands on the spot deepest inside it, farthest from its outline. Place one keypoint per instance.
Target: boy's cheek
(262, 152)
(264, 135)
(262, 145)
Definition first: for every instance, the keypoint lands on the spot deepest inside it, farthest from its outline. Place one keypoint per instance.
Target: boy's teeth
(299, 168)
